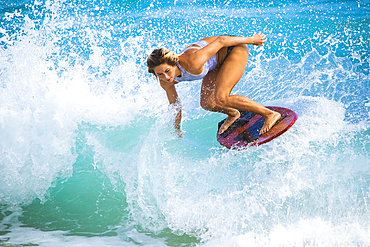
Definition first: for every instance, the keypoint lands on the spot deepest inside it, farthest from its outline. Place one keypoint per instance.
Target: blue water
(88, 156)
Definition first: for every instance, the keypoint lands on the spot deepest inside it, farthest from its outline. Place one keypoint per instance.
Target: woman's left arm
(257, 39)
(199, 57)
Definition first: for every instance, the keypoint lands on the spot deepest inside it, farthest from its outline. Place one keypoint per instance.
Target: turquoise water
(88, 156)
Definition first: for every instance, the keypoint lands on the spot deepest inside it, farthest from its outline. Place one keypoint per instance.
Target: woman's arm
(174, 100)
(257, 39)
(197, 58)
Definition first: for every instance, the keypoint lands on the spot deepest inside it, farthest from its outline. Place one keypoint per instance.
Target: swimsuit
(229, 49)
(208, 66)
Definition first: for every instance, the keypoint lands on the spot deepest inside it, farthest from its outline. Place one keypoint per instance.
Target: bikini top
(208, 66)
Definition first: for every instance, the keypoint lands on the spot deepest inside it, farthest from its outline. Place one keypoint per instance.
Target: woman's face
(165, 72)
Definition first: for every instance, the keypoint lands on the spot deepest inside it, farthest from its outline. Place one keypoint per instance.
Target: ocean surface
(88, 156)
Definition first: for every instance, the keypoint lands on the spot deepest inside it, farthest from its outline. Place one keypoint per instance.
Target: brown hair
(161, 56)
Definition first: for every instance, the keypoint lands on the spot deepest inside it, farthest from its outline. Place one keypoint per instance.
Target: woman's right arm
(174, 100)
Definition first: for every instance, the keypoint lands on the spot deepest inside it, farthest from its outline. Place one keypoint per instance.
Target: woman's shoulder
(185, 58)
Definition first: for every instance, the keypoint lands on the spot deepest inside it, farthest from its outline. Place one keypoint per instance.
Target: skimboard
(244, 132)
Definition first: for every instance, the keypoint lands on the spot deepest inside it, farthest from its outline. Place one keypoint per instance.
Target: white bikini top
(208, 66)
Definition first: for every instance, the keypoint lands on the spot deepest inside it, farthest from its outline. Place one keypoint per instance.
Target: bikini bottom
(229, 49)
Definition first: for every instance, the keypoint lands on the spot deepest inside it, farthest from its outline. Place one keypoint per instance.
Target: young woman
(220, 62)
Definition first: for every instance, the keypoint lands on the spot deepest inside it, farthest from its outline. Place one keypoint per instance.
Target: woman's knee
(222, 99)
(245, 49)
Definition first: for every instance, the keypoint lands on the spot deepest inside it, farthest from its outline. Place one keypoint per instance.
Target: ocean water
(88, 156)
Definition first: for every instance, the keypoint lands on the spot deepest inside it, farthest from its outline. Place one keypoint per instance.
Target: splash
(87, 151)
(47, 93)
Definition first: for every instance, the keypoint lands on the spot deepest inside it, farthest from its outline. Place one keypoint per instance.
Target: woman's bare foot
(228, 122)
(270, 120)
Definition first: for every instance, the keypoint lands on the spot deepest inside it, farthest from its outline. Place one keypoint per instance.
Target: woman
(220, 61)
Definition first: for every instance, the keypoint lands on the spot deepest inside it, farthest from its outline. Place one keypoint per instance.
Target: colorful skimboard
(244, 132)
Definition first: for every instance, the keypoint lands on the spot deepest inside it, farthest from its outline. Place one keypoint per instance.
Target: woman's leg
(228, 76)
(207, 98)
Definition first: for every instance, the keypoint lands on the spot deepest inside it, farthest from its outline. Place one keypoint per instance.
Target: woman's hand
(179, 133)
(258, 39)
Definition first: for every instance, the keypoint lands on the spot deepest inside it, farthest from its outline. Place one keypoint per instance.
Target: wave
(87, 150)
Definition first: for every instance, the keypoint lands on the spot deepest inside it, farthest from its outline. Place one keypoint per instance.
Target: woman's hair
(161, 56)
